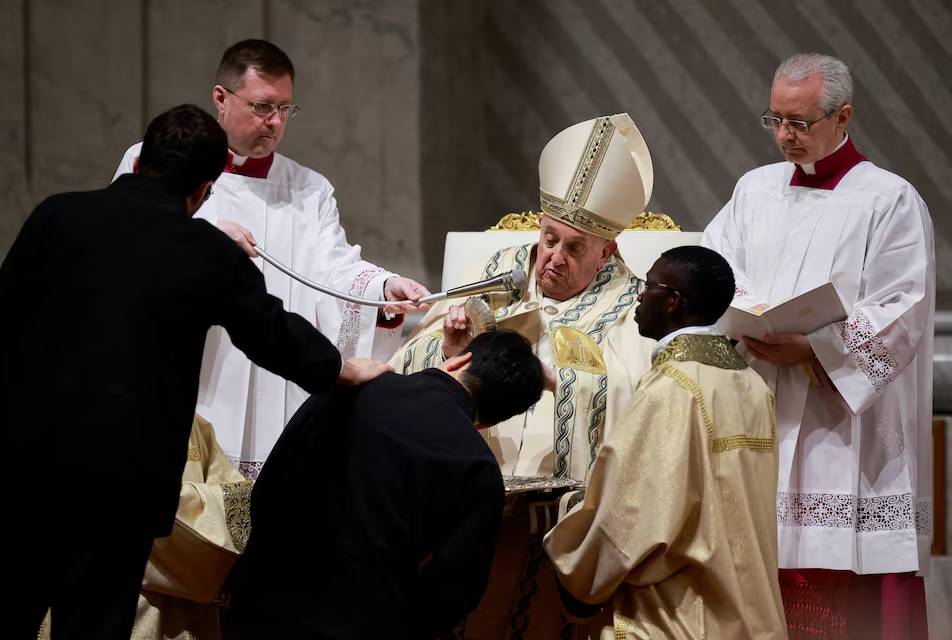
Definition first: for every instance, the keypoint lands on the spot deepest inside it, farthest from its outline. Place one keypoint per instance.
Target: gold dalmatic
(679, 513)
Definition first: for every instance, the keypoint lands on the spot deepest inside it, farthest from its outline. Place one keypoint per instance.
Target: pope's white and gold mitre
(596, 176)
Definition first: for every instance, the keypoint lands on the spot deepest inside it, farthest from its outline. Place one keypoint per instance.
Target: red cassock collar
(252, 167)
(830, 170)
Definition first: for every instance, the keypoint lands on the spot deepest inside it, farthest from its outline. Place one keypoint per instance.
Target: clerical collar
(827, 173)
(249, 167)
(706, 330)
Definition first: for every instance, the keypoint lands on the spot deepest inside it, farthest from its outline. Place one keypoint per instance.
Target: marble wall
(88, 75)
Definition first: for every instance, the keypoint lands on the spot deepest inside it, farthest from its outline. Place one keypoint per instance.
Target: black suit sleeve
(16, 273)
(452, 583)
(18, 277)
(281, 342)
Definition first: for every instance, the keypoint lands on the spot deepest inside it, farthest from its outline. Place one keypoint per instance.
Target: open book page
(804, 314)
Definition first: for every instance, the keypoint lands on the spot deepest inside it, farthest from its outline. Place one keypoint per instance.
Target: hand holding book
(802, 314)
(778, 334)
(781, 348)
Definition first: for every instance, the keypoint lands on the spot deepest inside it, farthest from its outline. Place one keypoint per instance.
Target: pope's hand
(361, 370)
(781, 348)
(455, 334)
(239, 235)
(398, 288)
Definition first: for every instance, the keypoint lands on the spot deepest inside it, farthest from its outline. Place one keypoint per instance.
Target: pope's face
(800, 100)
(249, 134)
(567, 259)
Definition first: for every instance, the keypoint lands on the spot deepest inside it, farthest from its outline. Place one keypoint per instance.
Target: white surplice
(855, 484)
(293, 216)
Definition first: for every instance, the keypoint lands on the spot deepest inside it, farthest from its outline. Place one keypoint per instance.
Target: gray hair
(837, 81)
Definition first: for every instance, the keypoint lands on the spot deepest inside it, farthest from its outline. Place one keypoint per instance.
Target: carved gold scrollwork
(649, 221)
(525, 221)
(529, 220)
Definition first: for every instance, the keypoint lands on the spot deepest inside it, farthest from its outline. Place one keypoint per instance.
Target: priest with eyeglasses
(854, 398)
(265, 198)
(675, 535)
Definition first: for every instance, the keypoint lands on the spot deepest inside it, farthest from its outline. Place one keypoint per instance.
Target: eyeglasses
(797, 126)
(266, 109)
(643, 285)
(208, 194)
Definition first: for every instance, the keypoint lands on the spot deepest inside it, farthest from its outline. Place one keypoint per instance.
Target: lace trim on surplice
(349, 333)
(877, 513)
(868, 350)
(248, 468)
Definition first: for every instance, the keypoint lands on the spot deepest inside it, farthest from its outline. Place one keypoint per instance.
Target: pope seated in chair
(595, 178)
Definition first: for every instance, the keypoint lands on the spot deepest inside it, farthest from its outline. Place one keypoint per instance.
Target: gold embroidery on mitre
(578, 217)
(576, 350)
(571, 209)
(194, 453)
(589, 164)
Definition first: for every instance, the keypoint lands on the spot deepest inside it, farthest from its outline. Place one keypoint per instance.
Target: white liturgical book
(803, 314)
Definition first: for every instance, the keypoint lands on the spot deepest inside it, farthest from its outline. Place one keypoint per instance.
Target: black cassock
(375, 515)
(107, 297)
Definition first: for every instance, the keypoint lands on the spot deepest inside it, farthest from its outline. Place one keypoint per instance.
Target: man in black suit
(107, 297)
(376, 514)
